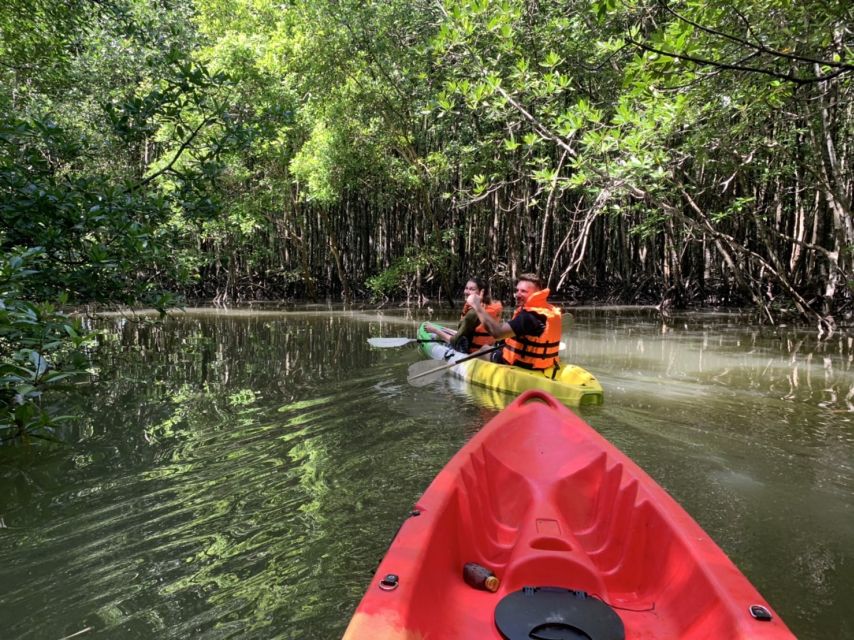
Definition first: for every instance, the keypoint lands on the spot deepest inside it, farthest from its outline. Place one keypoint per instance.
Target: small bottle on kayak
(480, 577)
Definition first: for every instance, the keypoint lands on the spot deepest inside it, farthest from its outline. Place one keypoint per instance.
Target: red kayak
(540, 529)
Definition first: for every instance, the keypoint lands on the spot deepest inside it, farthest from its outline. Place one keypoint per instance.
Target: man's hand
(498, 330)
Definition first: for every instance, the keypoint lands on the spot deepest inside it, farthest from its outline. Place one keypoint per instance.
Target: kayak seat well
(602, 506)
(493, 499)
(506, 524)
(637, 552)
(493, 517)
(477, 521)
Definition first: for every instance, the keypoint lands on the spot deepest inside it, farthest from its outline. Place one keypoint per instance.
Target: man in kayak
(532, 336)
(471, 335)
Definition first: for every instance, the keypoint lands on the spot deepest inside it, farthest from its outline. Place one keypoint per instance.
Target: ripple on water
(243, 476)
(235, 522)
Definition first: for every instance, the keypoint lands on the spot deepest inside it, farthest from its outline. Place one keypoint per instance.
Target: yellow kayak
(571, 384)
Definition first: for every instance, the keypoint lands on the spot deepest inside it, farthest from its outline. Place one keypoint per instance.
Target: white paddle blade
(389, 342)
(425, 372)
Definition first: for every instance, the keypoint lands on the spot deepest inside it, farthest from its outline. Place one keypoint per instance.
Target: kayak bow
(579, 539)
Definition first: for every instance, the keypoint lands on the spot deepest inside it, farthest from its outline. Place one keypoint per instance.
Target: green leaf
(38, 362)
(551, 60)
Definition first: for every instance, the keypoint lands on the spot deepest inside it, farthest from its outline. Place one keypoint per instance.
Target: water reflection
(240, 475)
(785, 365)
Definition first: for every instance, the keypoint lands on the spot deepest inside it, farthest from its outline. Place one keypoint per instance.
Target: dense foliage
(639, 151)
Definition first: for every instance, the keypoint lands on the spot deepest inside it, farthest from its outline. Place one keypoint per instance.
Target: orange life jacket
(536, 352)
(482, 337)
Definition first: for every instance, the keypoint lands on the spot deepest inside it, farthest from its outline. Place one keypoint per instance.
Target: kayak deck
(572, 385)
(541, 499)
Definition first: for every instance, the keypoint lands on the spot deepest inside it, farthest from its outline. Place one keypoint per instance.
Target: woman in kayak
(471, 335)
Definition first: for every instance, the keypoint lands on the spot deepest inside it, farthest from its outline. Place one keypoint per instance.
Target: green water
(239, 475)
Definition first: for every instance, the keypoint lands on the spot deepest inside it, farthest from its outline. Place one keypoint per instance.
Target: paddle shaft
(445, 367)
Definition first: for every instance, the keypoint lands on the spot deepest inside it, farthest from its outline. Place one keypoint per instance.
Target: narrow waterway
(239, 474)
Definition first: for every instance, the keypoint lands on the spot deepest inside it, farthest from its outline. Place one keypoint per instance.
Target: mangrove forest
(676, 153)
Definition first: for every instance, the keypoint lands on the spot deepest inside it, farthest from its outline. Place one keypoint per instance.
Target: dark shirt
(527, 323)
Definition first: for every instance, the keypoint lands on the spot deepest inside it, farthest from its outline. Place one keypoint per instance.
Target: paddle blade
(425, 372)
(390, 342)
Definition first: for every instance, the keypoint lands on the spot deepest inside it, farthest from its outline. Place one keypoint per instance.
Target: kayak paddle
(424, 372)
(395, 342)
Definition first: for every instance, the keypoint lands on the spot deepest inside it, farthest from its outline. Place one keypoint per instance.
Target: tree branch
(758, 47)
(178, 153)
(737, 67)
